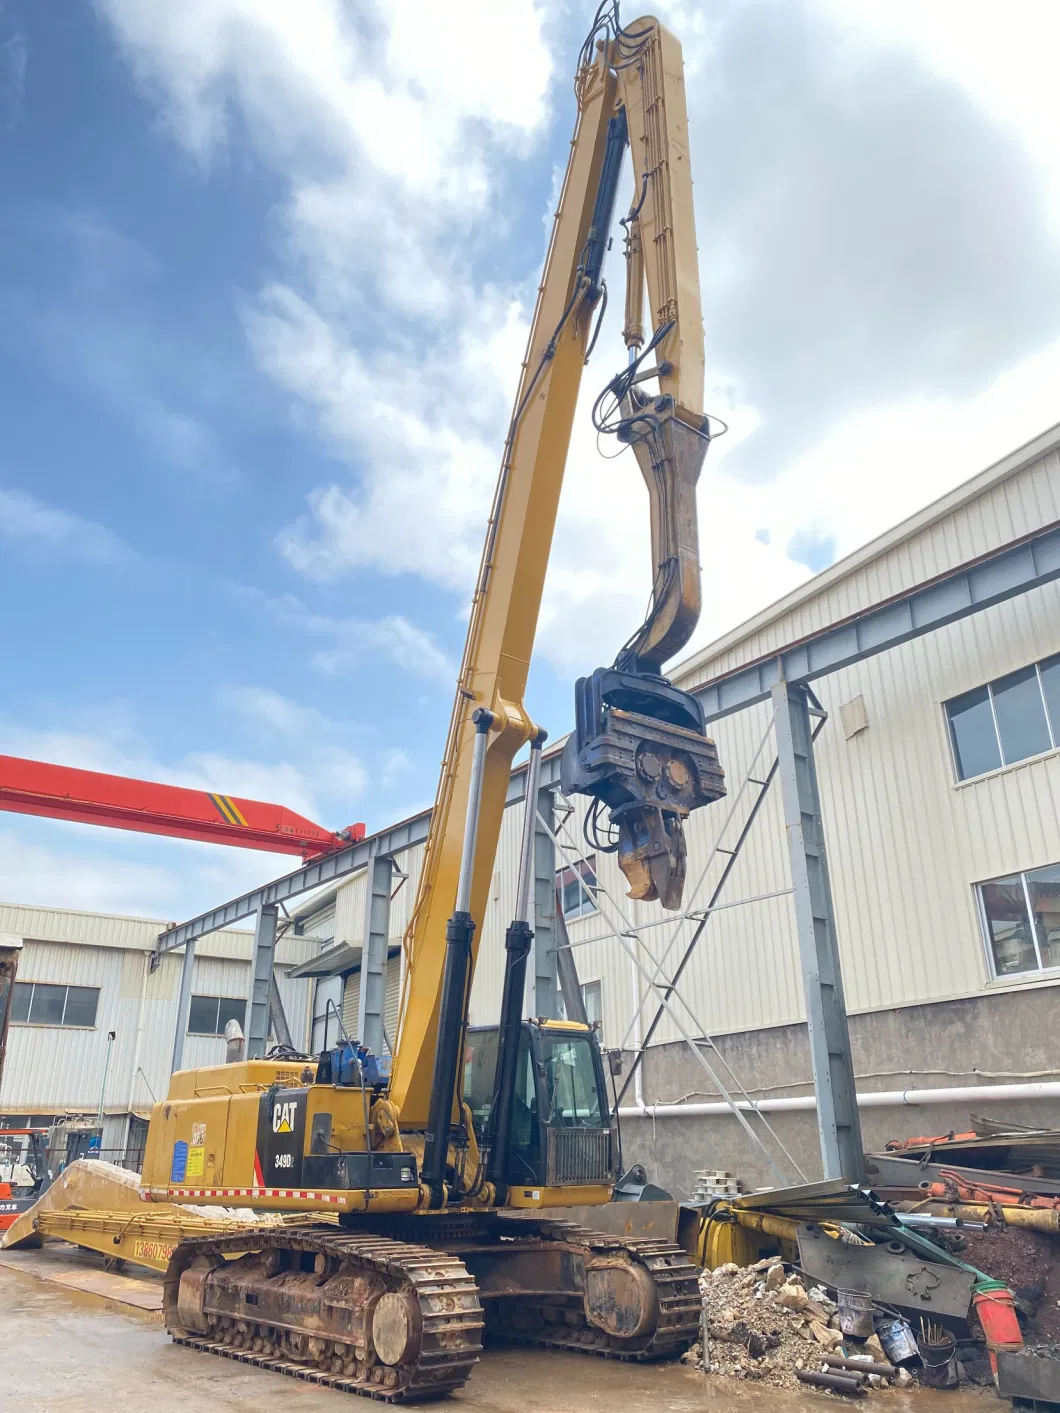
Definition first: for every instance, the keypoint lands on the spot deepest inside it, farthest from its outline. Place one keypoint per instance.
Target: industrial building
(939, 774)
(92, 1024)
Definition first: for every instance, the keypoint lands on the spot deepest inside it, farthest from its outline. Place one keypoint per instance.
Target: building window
(592, 1005)
(1006, 720)
(35, 1003)
(1021, 915)
(576, 887)
(592, 1000)
(208, 1015)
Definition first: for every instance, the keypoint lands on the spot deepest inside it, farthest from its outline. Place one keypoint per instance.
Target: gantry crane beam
(118, 802)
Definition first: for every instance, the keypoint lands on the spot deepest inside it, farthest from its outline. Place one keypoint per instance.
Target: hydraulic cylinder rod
(452, 1018)
(517, 942)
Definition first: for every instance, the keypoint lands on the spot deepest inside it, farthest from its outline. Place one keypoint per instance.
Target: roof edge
(1009, 465)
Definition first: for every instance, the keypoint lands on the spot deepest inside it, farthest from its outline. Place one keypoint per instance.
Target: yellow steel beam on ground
(148, 1239)
(97, 1205)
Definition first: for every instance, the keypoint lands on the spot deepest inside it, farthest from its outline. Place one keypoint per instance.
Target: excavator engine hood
(639, 747)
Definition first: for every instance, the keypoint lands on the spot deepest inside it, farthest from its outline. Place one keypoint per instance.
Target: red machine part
(14, 1200)
(90, 797)
(955, 1187)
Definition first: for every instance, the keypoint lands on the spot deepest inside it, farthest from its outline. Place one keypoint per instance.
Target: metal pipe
(111, 1037)
(926, 1219)
(638, 1068)
(859, 1366)
(877, 1099)
(483, 720)
(1045, 1219)
(850, 1384)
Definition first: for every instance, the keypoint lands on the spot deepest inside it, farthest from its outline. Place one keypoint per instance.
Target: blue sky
(265, 277)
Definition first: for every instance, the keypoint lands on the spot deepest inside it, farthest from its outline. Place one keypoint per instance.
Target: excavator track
(558, 1320)
(421, 1331)
(545, 1324)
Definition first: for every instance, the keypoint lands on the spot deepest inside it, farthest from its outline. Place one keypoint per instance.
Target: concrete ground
(62, 1347)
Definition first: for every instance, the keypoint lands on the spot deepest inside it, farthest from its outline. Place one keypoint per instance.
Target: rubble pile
(763, 1324)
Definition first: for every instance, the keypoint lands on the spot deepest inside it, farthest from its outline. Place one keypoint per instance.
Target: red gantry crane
(91, 797)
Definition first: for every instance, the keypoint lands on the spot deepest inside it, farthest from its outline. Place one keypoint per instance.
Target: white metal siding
(134, 934)
(1012, 507)
(352, 996)
(50, 1069)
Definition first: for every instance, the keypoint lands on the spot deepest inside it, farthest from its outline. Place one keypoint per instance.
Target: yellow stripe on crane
(228, 810)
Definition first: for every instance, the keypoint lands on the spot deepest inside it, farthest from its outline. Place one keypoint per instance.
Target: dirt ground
(67, 1349)
(1021, 1258)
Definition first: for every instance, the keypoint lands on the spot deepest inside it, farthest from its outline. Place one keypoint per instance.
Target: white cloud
(30, 524)
(396, 767)
(1007, 67)
(295, 757)
(351, 641)
(396, 160)
(425, 424)
(301, 758)
(14, 56)
(411, 648)
(78, 866)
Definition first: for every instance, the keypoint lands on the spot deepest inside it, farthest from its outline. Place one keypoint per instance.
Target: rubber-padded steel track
(446, 1295)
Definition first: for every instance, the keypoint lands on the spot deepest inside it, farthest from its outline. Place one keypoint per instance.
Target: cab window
(480, 1069)
(571, 1077)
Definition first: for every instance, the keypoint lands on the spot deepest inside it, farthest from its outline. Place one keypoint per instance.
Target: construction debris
(764, 1325)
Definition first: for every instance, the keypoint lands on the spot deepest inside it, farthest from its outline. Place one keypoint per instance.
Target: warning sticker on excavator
(198, 1135)
(196, 1162)
(180, 1161)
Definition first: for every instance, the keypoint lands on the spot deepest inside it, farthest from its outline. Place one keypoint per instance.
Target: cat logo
(284, 1117)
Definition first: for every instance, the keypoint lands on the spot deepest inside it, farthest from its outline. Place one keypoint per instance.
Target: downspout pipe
(876, 1099)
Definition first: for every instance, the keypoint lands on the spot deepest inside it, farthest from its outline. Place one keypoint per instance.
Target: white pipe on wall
(638, 1073)
(878, 1099)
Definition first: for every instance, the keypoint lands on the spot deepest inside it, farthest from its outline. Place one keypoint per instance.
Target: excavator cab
(560, 1130)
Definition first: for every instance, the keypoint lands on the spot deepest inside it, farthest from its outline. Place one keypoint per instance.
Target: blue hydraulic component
(354, 1064)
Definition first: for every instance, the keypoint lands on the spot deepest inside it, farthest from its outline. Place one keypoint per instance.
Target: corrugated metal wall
(351, 998)
(50, 1069)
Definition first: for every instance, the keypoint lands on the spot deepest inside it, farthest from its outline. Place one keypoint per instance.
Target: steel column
(375, 943)
(833, 1069)
(567, 974)
(541, 977)
(277, 1015)
(183, 1006)
(261, 980)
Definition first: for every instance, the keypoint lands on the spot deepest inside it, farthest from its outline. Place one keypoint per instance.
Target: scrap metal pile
(764, 1324)
(830, 1285)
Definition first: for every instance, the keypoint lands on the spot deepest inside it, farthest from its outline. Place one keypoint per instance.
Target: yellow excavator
(438, 1200)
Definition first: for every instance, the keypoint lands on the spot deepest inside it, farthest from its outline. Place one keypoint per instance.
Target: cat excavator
(430, 1211)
